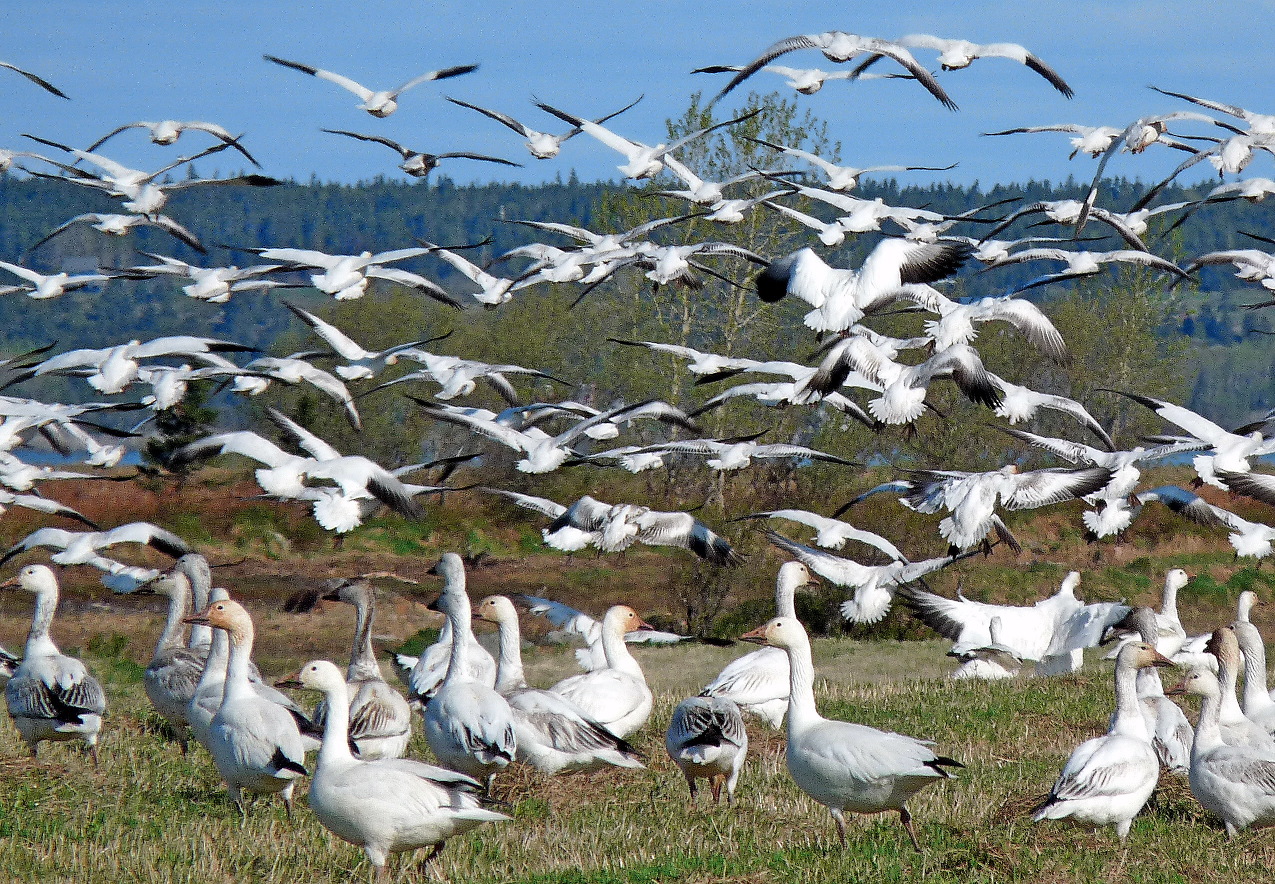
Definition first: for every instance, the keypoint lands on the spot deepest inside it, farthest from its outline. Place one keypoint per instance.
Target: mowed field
(148, 814)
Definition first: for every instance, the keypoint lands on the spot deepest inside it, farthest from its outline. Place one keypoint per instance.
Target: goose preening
(384, 805)
(616, 696)
(874, 585)
(758, 682)
(470, 727)
(1108, 779)
(542, 145)
(846, 766)
(167, 132)
(37, 80)
(839, 46)
(957, 54)
(1237, 783)
(51, 696)
(378, 103)
(417, 163)
(554, 735)
(986, 660)
(706, 739)
(254, 741)
(379, 719)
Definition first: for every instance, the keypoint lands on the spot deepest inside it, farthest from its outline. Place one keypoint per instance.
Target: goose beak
(757, 636)
(12, 581)
(1160, 660)
(1177, 690)
(291, 681)
(643, 625)
(200, 619)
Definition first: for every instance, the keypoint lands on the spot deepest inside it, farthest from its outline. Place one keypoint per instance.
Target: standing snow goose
(1237, 783)
(758, 681)
(874, 585)
(553, 734)
(384, 805)
(425, 674)
(206, 699)
(175, 669)
(51, 696)
(254, 741)
(417, 163)
(706, 739)
(379, 719)
(379, 103)
(469, 726)
(1108, 779)
(616, 697)
(846, 766)
(1237, 729)
(1258, 705)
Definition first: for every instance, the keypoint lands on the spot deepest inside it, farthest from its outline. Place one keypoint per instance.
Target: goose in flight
(457, 377)
(839, 47)
(345, 277)
(735, 454)
(1251, 265)
(957, 54)
(567, 621)
(874, 585)
(956, 322)
(542, 145)
(213, 284)
(359, 362)
(417, 163)
(831, 533)
(380, 103)
(85, 548)
(255, 377)
(642, 160)
(1093, 140)
(807, 81)
(167, 132)
(843, 178)
(52, 285)
(39, 81)
(1084, 263)
(1249, 539)
(492, 290)
(115, 224)
(1021, 404)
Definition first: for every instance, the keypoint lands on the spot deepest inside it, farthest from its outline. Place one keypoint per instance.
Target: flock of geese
(479, 715)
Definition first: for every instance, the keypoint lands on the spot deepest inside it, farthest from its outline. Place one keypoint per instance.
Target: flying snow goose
(470, 727)
(1249, 539)
(622, 525)
(175, 669)
(758, 681)
(378, 103)
(841, 297)
(1237, 783)
(346, 277)
(846, 766)
(254, 379)
(379, 719)
(831, 533)
(1021, 404)
(1092, 140)
(957, 54)
(642, 160)
(567, 621)
(115, 224)
(706, 739)
(51, 696)
(84, 548)
(359, 361)
(492, 290)
(417, 163)
(617, 696)
(165, 132)
(874, 585)
(989, 661)
(458, 377)
(254, 741)
(1252, 265)
(735, 454)
(553, 734)
(1085, 263)
(212, 284)
(843, 178)
(839, 46)
(542, 145)
(50, 285)
(807, 81)
(1107, 780)
(39, 81)
(384, 805)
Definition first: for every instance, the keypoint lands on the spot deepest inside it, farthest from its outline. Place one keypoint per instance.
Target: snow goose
(986, 660)
(457, 377)
(254, 741)
(570, 622)
(1092, 140)
(619, 526)
(469, 726)
(417, 163)
(831, 533)
(50, 285)
(199, 574)
(616, 697)
(1237, 783)
(116, 224)
(1258, 704)
(542, 145)
(846, 766)
(51, 696)
(212, 284)
(378, 103)
(166, 132)
(1021, 404)
(380, 720)
(874, 585)
(426, 673)
(706, 739)
(758, 681)
(1237, 729)
(1085, 263)
(346, 277)
(175, 669)
(735, 454)
(839, 46)
(957, 54)
(553, 734)
(359, 361)
(384, 805)
(1108, 779)
(843, 178)
(84, 548)
(37, 80)
(492, 290)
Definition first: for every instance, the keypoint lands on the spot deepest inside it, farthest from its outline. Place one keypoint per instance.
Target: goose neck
(39, 641)
(801, 688)
(509, 674)
(1208, 730)
(462, 634)
(239, 662)
(336, 728)
(616, 650)
(363, 665)
(174, 630)
(1128, 719)
(786, 599)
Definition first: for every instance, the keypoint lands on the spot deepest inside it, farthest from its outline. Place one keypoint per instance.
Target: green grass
(150, 815)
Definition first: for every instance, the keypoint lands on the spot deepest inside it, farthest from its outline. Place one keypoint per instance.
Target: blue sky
(125, 60)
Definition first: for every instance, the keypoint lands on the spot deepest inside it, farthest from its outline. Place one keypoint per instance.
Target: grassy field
(150, 815)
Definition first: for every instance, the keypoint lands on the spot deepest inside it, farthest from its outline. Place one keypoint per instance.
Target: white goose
(706, 739)
(1258, 705)
(255, 742)
(1108, 779)
(384, 805)
(51, 696)
(986, 660)
(378, 103)
(1236, 728)
(758, 681)
(616, 697)
(554, 735)
(469, 726)
(175, 669)
(425, 674)
(842, 765)
(1235, 782)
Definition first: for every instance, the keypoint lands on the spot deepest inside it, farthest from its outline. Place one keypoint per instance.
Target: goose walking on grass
(758, 681)
(254, 741)
(554, 735)
(706, 739)
(469, 726)
(1108, 779)
(51, 696)
(842, 765)
(384, 805)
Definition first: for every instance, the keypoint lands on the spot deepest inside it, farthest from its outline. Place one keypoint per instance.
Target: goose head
(170, 584)
(1244, 607)
(318, 675)
(352, 592)
(1200, 682)
(1140, 655)
(781, 632)
(793, 575)
(1139, 620)
(38, 579)
(451, 567)
(1226, 647)
(620, 619)
(228, 615)
(496, 609)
